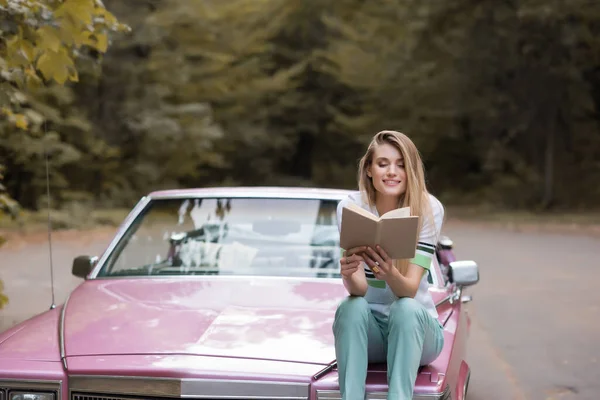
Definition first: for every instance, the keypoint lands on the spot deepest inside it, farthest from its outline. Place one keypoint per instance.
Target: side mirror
(464, 273)
(83, 265)
(445, 243)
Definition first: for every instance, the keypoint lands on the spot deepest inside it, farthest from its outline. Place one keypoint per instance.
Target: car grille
(99, 396)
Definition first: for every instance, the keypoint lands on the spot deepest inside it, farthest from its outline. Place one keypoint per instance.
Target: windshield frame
(132, 221)
(238, 192)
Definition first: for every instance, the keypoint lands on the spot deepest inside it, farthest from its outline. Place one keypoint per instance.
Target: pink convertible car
(220, 293)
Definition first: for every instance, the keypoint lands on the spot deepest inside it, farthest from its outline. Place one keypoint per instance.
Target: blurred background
(502, 98)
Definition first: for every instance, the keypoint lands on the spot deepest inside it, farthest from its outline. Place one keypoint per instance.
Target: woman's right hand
(351, 261)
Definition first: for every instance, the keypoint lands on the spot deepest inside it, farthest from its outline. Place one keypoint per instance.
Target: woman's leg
(414, 338)
(358, 340)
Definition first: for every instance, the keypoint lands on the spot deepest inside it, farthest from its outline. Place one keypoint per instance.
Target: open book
(395, 231)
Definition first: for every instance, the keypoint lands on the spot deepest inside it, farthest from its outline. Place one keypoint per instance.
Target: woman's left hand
(379, 262)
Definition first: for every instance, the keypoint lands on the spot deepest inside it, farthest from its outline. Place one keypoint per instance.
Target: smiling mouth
(391, 182)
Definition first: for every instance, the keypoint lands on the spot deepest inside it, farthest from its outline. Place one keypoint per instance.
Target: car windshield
(230, 236)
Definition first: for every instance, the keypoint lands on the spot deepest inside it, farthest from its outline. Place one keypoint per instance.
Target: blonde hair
(416, 195)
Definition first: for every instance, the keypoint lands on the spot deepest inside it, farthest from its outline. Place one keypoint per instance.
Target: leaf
(21, 121)
(101, 42)
(57, 65)
(32, 80)
(48, 38)
(28, 50)
(15, 56)
(84, 38)
(46, 65)
(78, 10)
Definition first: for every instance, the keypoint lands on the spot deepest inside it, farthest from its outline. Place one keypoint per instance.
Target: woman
(389, 314)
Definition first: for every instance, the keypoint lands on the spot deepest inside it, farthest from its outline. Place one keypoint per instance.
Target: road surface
(536, 317)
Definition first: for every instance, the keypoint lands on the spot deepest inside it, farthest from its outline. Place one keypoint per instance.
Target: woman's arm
(353, 274)
(406, 286)
(402, 285)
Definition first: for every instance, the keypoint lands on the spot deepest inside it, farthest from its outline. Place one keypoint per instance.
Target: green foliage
(7, 207)
(42, 39)
(501, 99)
(495, 94)
(45, 43)
(40, 43)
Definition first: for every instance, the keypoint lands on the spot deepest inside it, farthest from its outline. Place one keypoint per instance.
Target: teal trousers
(408, 338)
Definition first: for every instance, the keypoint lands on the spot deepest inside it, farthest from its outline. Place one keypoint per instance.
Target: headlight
(14, 395)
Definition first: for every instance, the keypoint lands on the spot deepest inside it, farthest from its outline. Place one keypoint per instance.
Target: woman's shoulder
(355, 197)
(437, 209)
(435, 203)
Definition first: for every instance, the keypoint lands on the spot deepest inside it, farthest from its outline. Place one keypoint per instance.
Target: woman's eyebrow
(387, 159)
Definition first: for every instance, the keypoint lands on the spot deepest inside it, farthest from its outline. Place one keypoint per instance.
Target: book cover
(395, 231)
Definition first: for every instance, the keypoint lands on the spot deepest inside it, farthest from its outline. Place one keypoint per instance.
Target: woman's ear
(369, 171)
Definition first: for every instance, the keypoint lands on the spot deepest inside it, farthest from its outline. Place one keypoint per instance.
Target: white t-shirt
(379, 295)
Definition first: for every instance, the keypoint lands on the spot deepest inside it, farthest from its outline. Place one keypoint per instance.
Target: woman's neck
(385, 204)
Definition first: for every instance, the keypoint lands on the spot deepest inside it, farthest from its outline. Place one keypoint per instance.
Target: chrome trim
(252, 195)
(329, 395)
(33, 385)
(444, 300)
(466, 385)
(336, 395)
(325, 370)
(280, 192)
(466, 299)
(242, 192)
(446, 243)
(135, 212)
(451, 298)
(119, 385)
(187, 388)
(61, 333)
(243, 389)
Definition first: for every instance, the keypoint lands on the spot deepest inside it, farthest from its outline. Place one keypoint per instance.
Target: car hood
(276, 319)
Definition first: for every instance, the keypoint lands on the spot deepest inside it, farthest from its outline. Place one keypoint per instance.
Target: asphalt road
(536, 319)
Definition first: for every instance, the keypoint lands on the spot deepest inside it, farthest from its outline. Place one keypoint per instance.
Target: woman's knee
(406, 309)
(353, 309)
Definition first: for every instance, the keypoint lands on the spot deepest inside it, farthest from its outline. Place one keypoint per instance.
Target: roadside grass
(75, 217)
(80, 217)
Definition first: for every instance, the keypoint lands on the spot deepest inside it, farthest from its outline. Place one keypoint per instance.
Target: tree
(40, 45)
(492, 92)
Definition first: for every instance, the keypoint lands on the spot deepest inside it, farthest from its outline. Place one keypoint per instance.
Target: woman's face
(387, 171)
